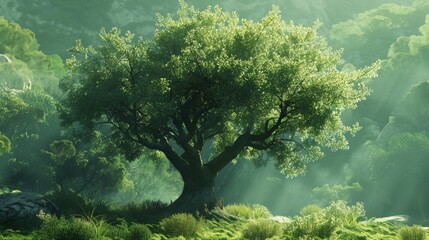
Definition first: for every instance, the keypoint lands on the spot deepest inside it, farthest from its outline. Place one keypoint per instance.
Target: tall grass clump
(181, 224)
(139, 232)
(412, 233)
(262, 229)
(122, 230)
(239, 210)
(64, 229)
(310, 209)
(244, 211)
(317, 222)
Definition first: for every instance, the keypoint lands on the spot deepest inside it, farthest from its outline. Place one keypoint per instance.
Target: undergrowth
(338, 221)
(411, 233)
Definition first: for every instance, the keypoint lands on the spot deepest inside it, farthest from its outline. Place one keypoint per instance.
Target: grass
(262, 229)
(181, 224)
(411, 233)
(336, 222)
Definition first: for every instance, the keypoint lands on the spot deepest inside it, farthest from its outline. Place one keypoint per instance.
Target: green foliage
(262, 229)
(317, 222)
(221, 230)
(388, 170)
(4, 144)
(384, 23)
(311, 209)
(65, 229)
(311, 227)
(98, 224)
(255, 211)
(139, 232)
(366, 230)
(314, 224)
(28, 62)
(327, 193)
(414, 109)
(181, 224)
(150, 177)
(10, 234)
(29, 121)
(92, 168)
(118, 230)
(343, 214)
(239, 210)
(90, 227)
(209, 76)
(412, 233)
(18, 116)
(141, 211)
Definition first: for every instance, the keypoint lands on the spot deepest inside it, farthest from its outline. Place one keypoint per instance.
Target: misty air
(214, 119)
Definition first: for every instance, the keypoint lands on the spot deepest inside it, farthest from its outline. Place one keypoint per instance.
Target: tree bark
(198, 194)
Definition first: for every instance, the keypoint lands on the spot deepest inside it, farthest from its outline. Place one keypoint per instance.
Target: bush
(317, 222)
(239, 210)
(139, 232)
(119, 230)
(140, 212)
(310, 209)
(311, 226)
(64, 229)
(255, 211)
(342, 214)
(262, 229)
(412, 233)
(181, 224)
(260, 211)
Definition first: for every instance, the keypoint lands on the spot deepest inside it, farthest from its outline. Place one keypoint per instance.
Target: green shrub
(262, 229)
(260, 211)
(64, 229)
(139, 232)
(311, 226)
(255, 211)
(317, 222)
(239, 210)
(412, 233)
(310, 209)
(140, 212)
(180, 224)
(342, 214)
(119, 230)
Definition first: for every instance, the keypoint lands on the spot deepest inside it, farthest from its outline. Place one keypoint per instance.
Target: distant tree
(28, 62)
(397, 33)
(367, 37)
(209, 88)
(28, 119)
(92, 170)
(397, 175)
(4, 144)
(149, 179)
(413, 111)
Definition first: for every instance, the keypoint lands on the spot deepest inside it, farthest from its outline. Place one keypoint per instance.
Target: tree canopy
(210, 87)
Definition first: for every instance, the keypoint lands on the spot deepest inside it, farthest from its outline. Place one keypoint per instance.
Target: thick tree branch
(178, 162)
(257, 141)
(191, 154)
(229, 154)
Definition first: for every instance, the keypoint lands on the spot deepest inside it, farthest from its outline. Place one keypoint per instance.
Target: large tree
(210, 88)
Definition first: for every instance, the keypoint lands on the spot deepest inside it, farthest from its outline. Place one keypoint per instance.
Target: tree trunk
(198, 192)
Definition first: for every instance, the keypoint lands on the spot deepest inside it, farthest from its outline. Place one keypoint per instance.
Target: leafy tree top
(259, 89)
(20, 45)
